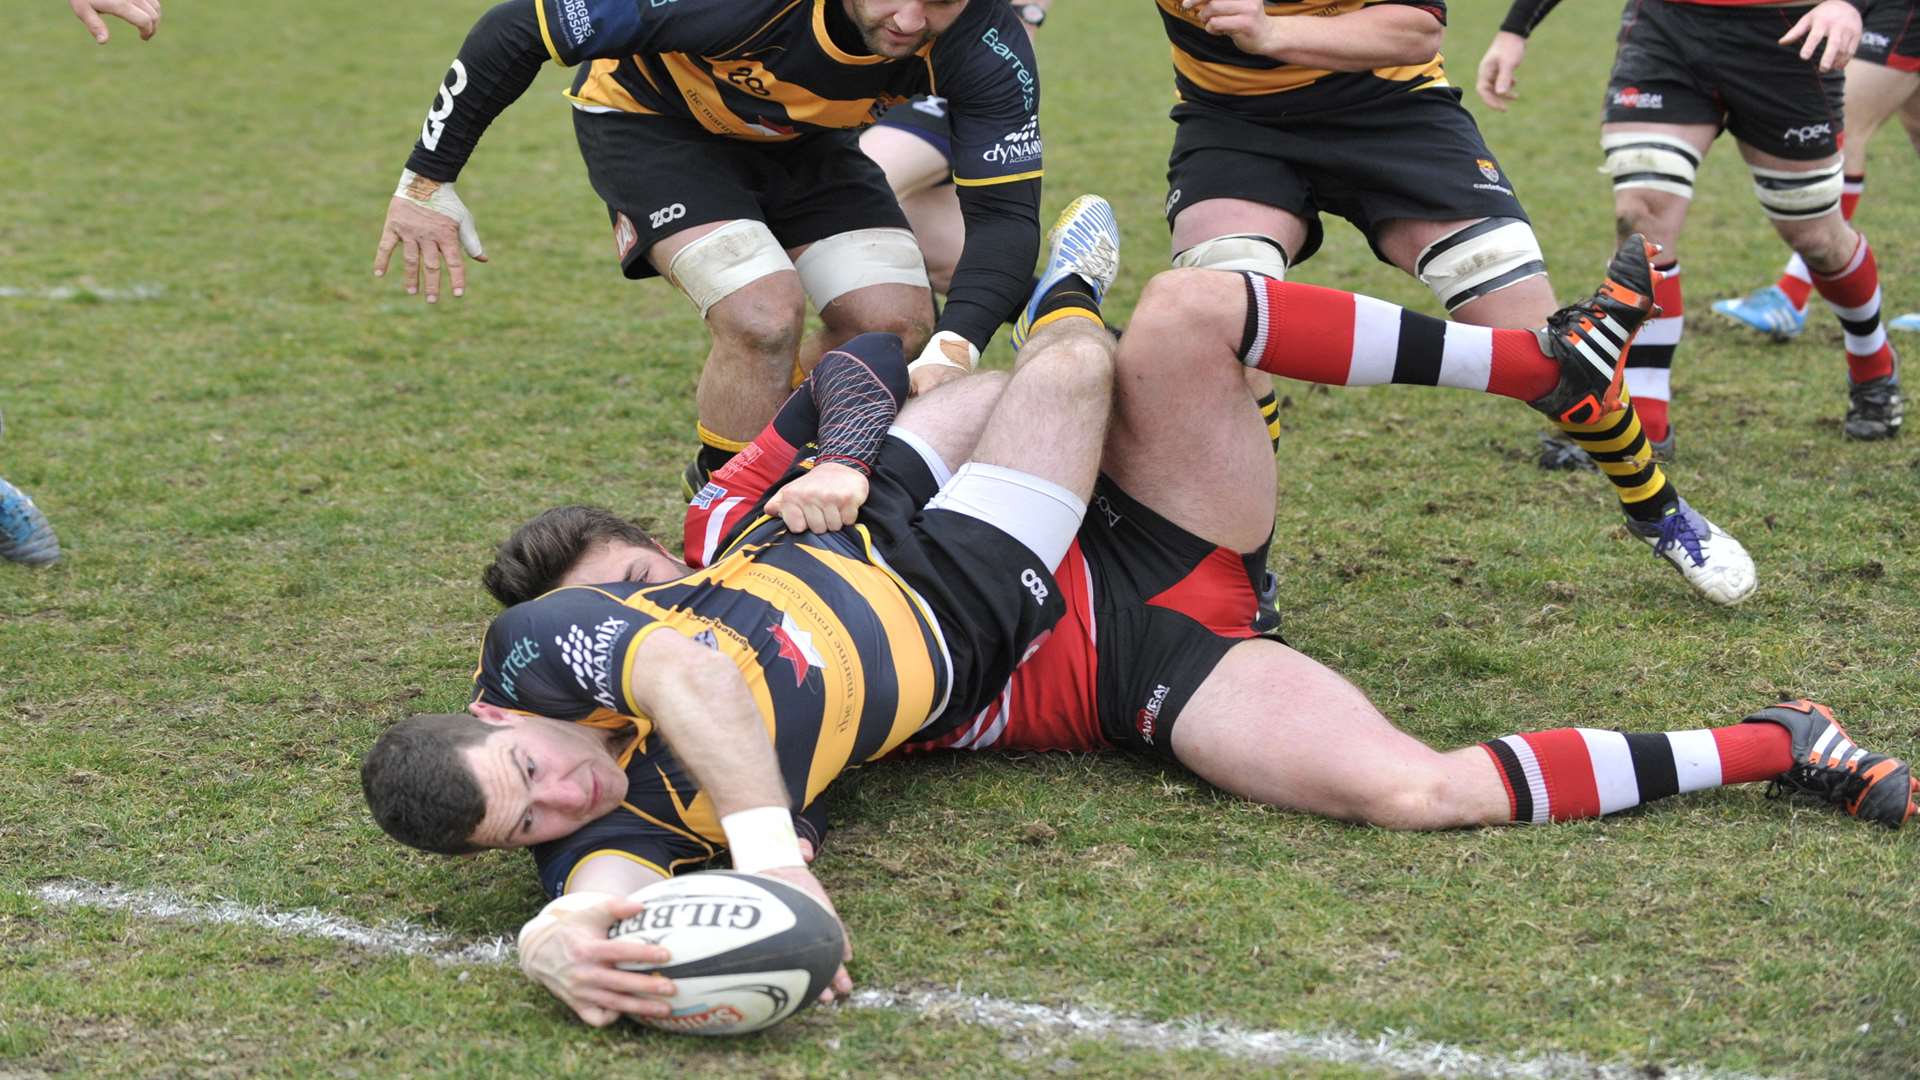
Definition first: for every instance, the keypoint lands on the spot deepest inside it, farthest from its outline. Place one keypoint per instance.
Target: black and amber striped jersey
(1210, 70)
(771, 70)
(843, 660)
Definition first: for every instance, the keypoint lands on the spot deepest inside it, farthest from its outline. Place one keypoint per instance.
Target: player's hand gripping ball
(748, 951)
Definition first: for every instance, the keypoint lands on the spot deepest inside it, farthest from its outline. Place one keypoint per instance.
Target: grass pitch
(276, 481)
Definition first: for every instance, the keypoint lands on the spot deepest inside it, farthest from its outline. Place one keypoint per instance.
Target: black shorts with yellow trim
(1168, 606)
(989, 595)
(1415, 155)
(1679, 63)
(660, 175)
(1890, 35)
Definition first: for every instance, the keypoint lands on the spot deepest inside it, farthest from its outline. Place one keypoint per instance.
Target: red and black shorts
(1680, 63)
(659, 175)
(1415, 155)
(1890, 35)
(1150, 611)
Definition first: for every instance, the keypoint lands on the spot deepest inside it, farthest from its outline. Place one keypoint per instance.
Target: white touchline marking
(403, 938)
(72, 292)
(1389, 1050)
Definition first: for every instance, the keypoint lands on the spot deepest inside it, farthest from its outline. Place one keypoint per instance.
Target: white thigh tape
(726, 260)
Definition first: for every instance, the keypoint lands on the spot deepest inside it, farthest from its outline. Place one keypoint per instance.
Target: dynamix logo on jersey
(1016, 147)
(991, 39)
(591, 658)
(1632, 97)
(519, 658)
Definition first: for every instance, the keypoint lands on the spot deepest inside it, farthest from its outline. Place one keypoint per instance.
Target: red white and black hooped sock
(1854, 296)
(1571, 773)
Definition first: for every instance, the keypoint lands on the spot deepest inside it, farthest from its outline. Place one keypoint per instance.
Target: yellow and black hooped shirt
(843, 660)
(1210, 70)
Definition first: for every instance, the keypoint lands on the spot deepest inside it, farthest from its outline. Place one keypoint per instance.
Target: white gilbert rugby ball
(748, 951)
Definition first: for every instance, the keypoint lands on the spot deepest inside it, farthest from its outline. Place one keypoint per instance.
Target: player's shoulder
(555, 655)
(985, 33)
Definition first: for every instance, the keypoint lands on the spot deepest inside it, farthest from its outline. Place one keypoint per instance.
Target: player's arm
(1392, 34)
(701, 706)
(991, 82)
(855, 391)
(1495, 80)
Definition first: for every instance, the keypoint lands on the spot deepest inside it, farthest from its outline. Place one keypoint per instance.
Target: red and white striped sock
(1797, 281)
(1341, 339)
(1570, 773)
(1854, 296)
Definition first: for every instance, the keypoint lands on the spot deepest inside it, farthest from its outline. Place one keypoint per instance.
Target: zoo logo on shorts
(1035, 585)
(667, 213)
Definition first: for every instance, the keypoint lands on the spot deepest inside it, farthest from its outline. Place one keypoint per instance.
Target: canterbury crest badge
(1488, 170)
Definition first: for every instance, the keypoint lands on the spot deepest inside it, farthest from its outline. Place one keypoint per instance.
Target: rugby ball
(748, 951)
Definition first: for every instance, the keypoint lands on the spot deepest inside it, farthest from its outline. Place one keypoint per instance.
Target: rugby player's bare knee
(1826, 243)
(760, 323)
(1186, 325)
(1651, 213)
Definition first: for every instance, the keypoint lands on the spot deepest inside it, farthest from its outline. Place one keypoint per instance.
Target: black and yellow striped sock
(1619, 448)
(1269, 404)
(1070, 297)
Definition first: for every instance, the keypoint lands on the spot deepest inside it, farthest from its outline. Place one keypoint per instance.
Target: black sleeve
(858, 389)
(1524, 15)
(984, 66)
(498, 61)
(996, 264)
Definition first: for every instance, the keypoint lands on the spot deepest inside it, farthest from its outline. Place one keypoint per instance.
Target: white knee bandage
(1797, 196)
(1644, 159)
(1481, 258)
(843, 262)
(726, 260)
(1039, 513)
(1246, 251)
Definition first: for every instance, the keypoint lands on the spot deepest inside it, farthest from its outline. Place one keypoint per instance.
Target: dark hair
(419, 789)
(531, 561)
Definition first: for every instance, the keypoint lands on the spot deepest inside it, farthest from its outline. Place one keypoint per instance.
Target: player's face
(541, 778)
(620, 560)
(897, 28)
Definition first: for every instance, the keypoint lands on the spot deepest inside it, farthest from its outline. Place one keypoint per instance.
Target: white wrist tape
(946, 349)
(762, 839)
(443, 201)
(538, 927)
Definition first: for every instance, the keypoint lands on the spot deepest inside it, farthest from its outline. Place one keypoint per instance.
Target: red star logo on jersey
(796, 647)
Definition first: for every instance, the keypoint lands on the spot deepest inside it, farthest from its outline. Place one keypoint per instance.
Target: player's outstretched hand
(802, 878)
(1834, 21)
(565, 949)
(827, 499)
(431, 226)
(1496, 82)
(1244, 21)
(142, 15)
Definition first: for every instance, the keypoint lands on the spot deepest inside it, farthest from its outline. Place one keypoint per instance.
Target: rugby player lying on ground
(1163, 570)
